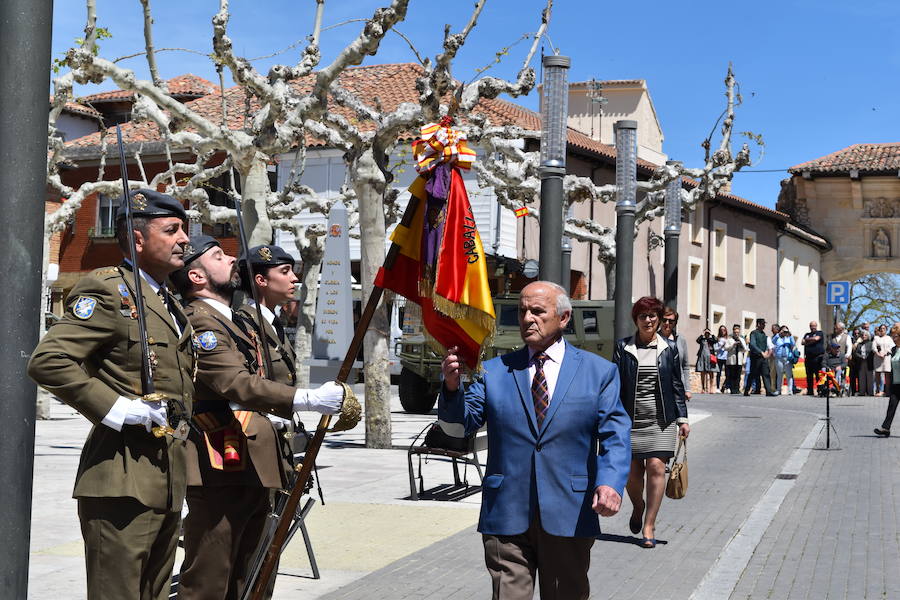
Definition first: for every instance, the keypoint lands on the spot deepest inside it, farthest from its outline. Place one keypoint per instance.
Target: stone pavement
(741, 532)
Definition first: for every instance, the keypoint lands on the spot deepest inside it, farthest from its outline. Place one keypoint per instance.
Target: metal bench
(469, 456)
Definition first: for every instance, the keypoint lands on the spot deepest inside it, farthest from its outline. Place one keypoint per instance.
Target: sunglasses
(669, 320)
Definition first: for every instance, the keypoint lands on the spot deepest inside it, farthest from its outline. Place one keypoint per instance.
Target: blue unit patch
(207, 340)
(84, 307)
(123, 290)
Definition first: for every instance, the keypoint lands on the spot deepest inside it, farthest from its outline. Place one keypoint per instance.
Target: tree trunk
(610, 268)
(369, 184)
(255, 190)
(306, 311)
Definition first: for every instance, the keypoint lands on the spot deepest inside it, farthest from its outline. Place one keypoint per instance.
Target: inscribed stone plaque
(333, 329)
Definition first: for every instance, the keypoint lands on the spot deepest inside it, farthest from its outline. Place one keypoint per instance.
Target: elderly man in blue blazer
(559, 450)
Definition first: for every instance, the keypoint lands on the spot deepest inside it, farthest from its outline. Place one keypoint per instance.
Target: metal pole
(554, 136)
(626, 206)
(25, 27)
(550, 261)
(672, 233)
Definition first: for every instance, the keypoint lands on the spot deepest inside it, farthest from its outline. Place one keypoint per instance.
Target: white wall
(799, 267)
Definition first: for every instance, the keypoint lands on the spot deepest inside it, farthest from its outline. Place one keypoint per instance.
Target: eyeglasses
(647, 317)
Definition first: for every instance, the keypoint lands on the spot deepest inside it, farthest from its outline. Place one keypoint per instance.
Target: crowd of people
(860, 360)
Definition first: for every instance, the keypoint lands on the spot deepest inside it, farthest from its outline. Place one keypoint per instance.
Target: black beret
(197, 246)
(268, 256)
(151, 204)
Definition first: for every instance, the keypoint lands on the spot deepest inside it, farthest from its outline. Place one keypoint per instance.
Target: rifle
(147, 386)
(285, 527)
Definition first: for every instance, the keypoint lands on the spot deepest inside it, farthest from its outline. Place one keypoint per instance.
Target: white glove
(146, 414)
(278, 422)
(326, 399)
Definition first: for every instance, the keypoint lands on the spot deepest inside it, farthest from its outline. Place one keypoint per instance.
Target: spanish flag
(441, 264)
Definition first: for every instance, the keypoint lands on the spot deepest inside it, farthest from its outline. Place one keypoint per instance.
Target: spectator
(667, 330)
(721, 351)
(882, 345)
(736, 349)
(836, 361)
(894, 362)
(705, 367)
(759, 365)
(770, 346)
(814, 344)
(784, 359)
(863, 360)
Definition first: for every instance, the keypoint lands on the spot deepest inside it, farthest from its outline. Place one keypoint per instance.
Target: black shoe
(746, 393)
(882, 432)
(770, 394)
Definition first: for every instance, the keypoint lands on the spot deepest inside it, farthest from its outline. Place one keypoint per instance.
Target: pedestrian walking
(131, 483)
(667, 329)
(894, 390)
(653, 394)
(545, 481)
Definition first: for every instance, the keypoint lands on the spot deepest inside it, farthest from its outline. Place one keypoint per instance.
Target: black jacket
(670, 384)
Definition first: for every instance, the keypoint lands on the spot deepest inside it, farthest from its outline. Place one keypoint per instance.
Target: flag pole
(312, 449)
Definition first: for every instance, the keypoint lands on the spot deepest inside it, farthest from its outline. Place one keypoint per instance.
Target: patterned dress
(649, 438)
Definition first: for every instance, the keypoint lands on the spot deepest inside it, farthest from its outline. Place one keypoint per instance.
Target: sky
(815, 77)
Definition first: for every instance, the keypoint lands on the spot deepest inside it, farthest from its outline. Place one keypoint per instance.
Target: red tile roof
(183, 86)
(865, 158)
(80, 109)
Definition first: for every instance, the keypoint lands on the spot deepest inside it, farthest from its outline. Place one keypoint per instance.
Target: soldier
(130, 483)
(238, 460)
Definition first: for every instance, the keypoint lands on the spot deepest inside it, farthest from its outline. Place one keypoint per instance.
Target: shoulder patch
(207, 340)
(84, 307)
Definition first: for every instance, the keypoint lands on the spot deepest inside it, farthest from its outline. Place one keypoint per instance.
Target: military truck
(590, 328)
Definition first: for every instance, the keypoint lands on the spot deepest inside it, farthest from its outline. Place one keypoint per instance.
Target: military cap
(197, 245)
(151, 204)
(760, 321)
(268, 256)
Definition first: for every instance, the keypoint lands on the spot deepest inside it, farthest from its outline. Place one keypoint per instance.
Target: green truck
(590, 328)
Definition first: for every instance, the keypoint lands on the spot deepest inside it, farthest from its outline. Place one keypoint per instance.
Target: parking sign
(837, 293)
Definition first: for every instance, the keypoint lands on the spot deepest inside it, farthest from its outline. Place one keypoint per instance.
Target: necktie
(540, 393)
(279, 329)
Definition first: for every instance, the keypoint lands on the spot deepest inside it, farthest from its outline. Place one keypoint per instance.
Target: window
(695, 286)
(718, 317)
(106, 216)
(749, 258)
(589, 318)
(720, 250)
(749, 319)
(695, 225)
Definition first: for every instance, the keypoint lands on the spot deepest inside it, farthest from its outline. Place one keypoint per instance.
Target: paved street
(767, 515)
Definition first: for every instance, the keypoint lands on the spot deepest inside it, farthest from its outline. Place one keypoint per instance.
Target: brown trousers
(561, 564)
(221, 532)
(129, 548)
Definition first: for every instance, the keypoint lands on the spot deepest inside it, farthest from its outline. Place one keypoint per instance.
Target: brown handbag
(676, 486)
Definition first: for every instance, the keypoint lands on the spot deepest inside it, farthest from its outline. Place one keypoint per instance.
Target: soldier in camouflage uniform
(130, 483)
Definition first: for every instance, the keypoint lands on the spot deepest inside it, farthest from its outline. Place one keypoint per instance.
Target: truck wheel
(415, 394)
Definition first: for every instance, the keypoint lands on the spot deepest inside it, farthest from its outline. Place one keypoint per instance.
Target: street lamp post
(25, 27)
(672, 231)
(554, 111)
(626, 206)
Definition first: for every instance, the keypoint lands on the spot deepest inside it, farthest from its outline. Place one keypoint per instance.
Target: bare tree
(873, 299)
(514, 175)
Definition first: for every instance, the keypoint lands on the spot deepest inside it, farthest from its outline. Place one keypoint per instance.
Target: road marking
(721, 579)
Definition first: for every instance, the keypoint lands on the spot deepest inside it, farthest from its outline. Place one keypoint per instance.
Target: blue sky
(816, 76)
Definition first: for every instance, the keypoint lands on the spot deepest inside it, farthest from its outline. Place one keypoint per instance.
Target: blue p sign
(837, 293)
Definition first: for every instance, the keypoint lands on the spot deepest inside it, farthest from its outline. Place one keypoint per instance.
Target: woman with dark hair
(705, 365)
(652, 392)
(721, 350)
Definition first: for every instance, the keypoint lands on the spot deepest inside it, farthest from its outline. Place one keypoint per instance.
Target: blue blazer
(554, 470)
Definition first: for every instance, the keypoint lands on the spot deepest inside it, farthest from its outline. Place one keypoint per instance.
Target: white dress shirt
(551, 366)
